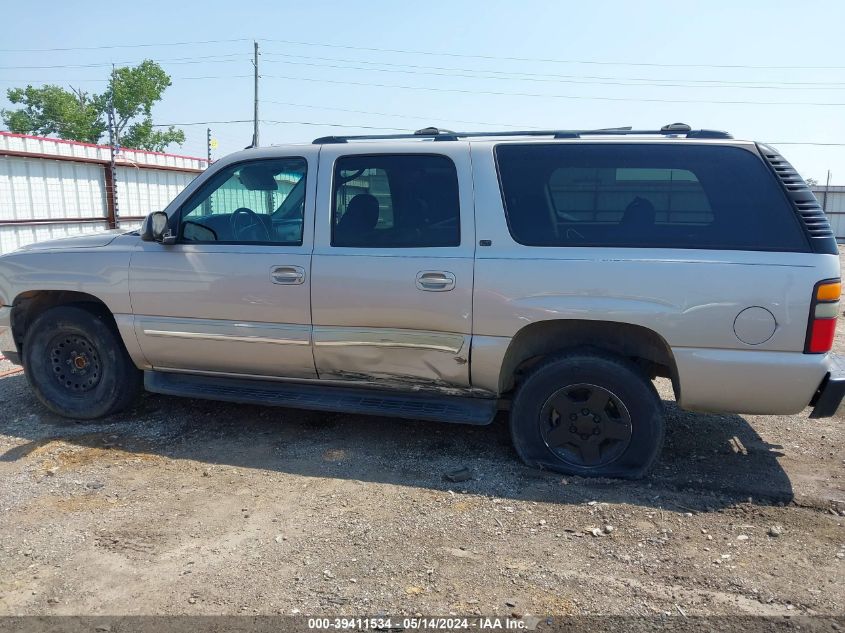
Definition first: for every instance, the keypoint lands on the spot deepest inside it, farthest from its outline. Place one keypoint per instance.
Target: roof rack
(437, 134)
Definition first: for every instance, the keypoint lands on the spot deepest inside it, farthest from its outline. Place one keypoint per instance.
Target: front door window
(259, 202)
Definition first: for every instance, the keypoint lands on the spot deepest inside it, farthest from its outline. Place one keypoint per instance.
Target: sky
(767, 70)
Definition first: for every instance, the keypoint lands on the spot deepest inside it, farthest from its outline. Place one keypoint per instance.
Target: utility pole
(111, 171)
(208, 205)
(826, 188)
(255, 115)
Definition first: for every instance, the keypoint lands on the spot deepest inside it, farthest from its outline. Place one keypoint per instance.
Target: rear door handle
(435, 280)
(287, 275)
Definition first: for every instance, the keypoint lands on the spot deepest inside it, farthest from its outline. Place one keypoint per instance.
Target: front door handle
(287, 275)
(435, 280)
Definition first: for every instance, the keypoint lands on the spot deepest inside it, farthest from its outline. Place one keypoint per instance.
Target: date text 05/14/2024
(418, 623)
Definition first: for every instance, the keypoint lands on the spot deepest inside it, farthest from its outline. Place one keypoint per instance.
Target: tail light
(824, 309)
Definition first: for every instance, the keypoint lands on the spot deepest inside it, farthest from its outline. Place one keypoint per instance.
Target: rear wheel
(588, 413)
(77, 364)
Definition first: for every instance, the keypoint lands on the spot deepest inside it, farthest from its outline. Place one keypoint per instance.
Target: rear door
(232, 296)
(392, 268)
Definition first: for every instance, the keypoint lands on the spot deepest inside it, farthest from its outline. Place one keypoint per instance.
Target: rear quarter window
(644, 195)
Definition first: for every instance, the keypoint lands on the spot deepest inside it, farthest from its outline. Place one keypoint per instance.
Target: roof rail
(437, 134)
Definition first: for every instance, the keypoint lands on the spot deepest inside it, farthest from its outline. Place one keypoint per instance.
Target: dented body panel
(371, 319)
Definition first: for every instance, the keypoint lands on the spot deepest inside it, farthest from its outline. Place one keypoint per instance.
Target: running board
(363, 401)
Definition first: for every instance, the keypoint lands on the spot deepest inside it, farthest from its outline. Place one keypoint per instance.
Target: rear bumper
(832, 389)
(749, 381)
(7, 341)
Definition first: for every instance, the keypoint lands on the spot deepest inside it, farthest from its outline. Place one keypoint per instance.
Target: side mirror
(155, 229)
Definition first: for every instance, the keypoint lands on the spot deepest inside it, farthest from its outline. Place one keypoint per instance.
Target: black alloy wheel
(586, 425)
(590, 413)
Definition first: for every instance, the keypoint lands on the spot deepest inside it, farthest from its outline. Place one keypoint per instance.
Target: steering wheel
(238, 228)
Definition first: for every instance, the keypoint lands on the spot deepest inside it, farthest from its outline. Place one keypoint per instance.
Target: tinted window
(259, 202)
(670, 196)
(388, 201)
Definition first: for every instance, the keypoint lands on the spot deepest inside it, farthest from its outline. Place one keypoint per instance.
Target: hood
(92, 240)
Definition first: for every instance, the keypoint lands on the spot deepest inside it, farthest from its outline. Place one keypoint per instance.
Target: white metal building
(832, 200)
(54, 188)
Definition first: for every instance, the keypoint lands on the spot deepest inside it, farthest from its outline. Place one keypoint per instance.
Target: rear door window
(644, 195)
(395, 201)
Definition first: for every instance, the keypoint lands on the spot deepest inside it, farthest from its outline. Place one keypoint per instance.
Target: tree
(812, 182)
(134, 91)
(72, 114)
(142, 136)
(75, 115)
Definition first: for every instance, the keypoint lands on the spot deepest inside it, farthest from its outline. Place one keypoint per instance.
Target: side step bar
(363, 401)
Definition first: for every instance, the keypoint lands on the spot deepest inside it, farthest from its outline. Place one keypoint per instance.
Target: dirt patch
(56, 455)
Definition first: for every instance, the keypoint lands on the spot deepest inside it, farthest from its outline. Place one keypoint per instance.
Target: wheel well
(536, 341)
(27, 306)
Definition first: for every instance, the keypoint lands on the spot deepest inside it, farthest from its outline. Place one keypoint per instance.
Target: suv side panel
(682, 295)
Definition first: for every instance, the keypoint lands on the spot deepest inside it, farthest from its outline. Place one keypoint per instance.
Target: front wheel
(590, 414)
(77, 364)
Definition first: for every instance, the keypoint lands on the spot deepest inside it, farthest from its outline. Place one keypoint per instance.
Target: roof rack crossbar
(675, 129)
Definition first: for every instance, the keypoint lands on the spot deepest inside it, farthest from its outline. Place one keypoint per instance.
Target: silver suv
(445, 276)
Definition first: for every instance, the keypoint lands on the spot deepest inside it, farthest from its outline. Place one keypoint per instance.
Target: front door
(393, 265)
(232, 295)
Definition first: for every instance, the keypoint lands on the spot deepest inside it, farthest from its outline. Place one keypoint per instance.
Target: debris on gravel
(459, 475)
(775, 530)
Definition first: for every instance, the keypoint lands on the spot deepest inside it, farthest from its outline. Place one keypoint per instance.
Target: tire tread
(127, 382)
(590, 356)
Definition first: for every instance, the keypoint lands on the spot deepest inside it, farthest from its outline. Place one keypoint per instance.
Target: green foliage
(68, 114)
(142, 136)
(76, 115)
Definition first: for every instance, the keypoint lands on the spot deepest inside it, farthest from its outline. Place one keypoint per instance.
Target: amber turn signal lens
(829, 292)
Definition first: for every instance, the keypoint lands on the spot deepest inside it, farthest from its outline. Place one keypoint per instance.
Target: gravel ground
(189, 507)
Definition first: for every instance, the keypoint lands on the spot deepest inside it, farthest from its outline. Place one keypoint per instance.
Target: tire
(77, 365)
(590, 414)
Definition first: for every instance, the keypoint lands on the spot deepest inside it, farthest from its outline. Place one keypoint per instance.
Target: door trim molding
(224, 337)
(226, 331)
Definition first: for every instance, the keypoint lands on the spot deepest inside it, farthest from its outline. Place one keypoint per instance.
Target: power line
(363, 127)
(202, 123)
(497, 93)
(547, 60)
(98, 48)
(215, 77)
(544, 80)
(526, 76)
(400, 116)
(31, 80)
(282, 122)
(558, 96)
(471, 73)
(420, 52)
(74, 80)
(176, 60)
